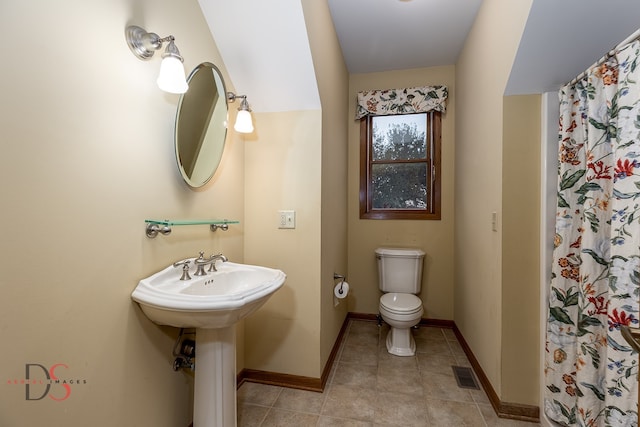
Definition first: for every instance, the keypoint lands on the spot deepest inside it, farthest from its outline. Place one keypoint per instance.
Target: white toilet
(400, 278)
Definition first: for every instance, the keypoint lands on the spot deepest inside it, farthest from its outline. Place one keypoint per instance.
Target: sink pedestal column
(214, 400)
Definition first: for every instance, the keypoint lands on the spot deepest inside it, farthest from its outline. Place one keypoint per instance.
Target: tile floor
(370, 387)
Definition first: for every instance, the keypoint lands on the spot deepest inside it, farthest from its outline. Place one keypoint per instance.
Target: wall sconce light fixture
(143, 45)
(244, 124)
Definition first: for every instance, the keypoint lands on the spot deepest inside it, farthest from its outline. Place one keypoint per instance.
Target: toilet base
(400, 342)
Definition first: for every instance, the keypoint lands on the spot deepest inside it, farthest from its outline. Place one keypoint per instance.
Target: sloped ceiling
(266, 50)
(563, 38)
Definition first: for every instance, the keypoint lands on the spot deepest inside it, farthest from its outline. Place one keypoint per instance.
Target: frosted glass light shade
(244, 124)
(172, 78)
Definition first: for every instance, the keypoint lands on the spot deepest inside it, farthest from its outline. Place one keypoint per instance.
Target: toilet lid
(401, 303)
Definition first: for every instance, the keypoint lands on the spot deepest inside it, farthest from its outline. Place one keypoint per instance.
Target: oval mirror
(201, 125)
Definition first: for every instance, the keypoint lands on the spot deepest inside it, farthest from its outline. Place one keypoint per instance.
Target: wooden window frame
(434, 128)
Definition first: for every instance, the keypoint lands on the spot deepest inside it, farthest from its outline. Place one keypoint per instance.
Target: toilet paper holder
(340, 277)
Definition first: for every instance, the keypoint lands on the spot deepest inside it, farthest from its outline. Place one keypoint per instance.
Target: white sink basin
(217, 300)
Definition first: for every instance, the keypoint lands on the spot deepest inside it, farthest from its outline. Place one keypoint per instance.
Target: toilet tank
(400, 269)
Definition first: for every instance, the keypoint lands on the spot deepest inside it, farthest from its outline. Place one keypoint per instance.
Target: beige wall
(297, 161)
(521, 249)
(282, 171)
(482, 71)
(87, 156)
(333, 85)
(434, 237)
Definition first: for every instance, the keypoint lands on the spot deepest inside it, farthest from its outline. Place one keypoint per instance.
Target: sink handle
(183, 262)
(185, 268)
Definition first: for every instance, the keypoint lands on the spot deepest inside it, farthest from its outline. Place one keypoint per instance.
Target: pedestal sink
(212, 304)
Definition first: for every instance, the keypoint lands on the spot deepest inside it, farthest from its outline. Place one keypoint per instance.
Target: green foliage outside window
(398, 139)
(399, 166)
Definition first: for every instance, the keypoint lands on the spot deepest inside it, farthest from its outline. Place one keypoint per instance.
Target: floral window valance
(401, 101)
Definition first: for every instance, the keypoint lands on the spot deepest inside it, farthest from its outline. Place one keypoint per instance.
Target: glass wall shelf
(163, 226)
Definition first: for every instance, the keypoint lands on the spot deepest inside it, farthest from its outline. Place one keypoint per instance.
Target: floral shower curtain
(590, 370)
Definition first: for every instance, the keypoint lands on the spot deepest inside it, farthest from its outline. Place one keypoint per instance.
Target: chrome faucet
(214, 258)
(201, 261)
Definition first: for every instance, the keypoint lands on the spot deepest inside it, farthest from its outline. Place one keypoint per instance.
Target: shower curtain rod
(609, 54)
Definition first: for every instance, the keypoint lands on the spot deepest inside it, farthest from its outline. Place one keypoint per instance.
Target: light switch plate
(286, 219)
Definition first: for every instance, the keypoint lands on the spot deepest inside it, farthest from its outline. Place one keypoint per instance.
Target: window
(400, 166)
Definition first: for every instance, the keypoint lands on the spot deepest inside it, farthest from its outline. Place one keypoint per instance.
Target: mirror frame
(215, 163)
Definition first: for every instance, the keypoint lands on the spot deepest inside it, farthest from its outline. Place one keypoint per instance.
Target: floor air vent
(465, 378)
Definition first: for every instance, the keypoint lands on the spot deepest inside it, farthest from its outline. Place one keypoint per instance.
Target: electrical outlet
(286, 219)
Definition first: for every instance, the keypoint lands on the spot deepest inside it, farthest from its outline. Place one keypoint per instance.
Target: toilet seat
(401, 304)
(401, 312)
